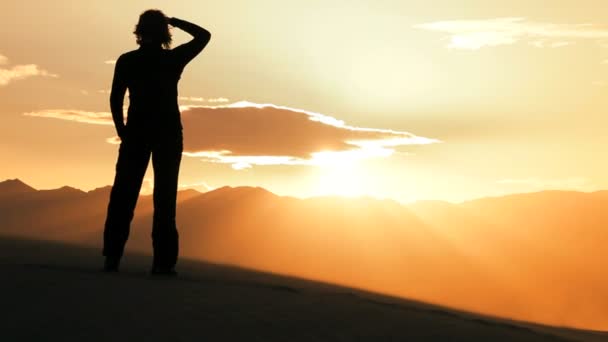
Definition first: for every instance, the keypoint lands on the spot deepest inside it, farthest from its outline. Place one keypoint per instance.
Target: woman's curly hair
(153, 28)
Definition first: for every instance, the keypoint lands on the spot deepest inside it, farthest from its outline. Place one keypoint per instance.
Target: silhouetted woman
(153, 128)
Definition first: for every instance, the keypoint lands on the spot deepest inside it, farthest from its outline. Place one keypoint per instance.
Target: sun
(340, 174)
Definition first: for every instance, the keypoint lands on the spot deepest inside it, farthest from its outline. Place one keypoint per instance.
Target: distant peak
(69, 188)
(63, 191)
(103, 189)
(189, 191)
(15, 186)
(240, 190)
(13, 181)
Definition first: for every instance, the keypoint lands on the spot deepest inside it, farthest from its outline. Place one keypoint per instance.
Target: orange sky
(447, 100)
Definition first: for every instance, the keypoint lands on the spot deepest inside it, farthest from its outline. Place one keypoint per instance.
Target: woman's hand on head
(172, 21)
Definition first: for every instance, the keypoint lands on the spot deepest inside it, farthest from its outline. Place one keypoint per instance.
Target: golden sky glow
(398, 99)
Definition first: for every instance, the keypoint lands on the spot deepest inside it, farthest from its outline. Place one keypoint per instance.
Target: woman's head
(153, 29)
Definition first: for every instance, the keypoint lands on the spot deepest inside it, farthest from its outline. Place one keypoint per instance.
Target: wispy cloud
(244, 134)
(322, 158)
(549, 44)
(97, 118)
(191, 99)
(218, 100)
(476, 34)
(110, 62)
(113, 140)
(20, 72)
(202, 99)
(573, 183)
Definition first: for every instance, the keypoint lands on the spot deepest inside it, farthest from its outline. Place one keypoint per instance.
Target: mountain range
(537, 257)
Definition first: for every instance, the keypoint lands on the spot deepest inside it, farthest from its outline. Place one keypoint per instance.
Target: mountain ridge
(478, 256)
(246, 189)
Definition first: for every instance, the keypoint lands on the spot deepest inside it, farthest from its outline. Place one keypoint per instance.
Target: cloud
(560, 44)
(110, 62)
(244, 134)
(548, 44)
(98, 118)
(218, 100)
(20, 72)
(191, 99)
(115, 140)
(475, 34)
(202, 99)
(573, 183)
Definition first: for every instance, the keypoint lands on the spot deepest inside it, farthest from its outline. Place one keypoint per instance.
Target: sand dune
(54, 292)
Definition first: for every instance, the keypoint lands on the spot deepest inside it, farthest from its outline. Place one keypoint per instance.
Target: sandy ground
(56, 292)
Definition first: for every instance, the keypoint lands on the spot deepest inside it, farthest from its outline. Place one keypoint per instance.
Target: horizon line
(341, 197)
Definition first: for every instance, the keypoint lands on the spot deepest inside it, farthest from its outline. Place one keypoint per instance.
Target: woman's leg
(166, 158)
(133, 158)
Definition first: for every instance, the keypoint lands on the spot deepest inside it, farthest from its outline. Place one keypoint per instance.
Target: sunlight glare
(341, 173)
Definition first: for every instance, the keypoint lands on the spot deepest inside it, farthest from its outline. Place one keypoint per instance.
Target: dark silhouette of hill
(537, 257)
(55, 292)
(14, 187)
